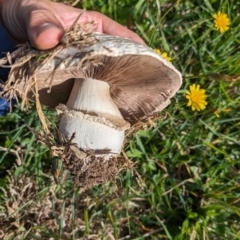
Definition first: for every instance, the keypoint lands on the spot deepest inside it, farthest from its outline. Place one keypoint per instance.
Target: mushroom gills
(93, 117)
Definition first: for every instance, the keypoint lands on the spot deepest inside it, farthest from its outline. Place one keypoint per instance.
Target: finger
(43, 28)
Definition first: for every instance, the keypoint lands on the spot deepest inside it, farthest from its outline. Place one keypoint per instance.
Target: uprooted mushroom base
(87, 168)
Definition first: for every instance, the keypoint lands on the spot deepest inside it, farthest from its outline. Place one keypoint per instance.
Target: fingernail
(44, 27)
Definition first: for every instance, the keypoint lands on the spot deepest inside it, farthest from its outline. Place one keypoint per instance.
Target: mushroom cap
(141, 81)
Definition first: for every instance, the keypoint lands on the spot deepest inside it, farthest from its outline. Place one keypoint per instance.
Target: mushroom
(100, 90)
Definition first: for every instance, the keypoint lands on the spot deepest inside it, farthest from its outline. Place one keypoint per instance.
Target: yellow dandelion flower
(156, 50)
(221, 21)
(196, 98)
(164, 54)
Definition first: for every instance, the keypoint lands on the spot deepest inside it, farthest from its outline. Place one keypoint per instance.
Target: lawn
(185, 180)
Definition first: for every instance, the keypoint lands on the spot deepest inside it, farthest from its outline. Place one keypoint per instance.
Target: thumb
(43, 29)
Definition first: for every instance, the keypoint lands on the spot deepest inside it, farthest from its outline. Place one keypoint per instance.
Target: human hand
(43, 23)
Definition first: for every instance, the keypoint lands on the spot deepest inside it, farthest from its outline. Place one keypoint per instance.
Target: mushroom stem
(92, 115)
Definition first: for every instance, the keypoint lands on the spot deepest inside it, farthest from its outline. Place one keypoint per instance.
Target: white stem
(93, 116)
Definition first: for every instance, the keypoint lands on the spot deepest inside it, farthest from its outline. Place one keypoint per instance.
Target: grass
(185, 183)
